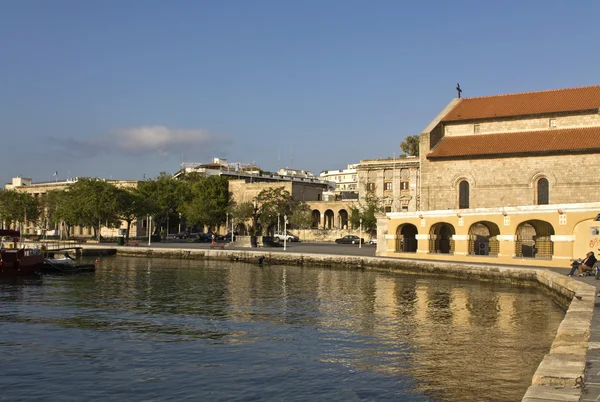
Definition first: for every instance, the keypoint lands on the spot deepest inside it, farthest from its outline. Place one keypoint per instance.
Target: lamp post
(360, 234)
(232, 234)
(277, 223)
(285, 222)
(149, 229)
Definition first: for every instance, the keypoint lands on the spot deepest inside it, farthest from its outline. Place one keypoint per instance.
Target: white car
(373, 241)
(280, 236)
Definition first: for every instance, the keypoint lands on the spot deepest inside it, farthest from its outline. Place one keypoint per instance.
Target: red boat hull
(20, 262)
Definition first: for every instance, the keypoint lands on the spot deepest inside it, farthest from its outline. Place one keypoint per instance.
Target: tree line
(194, 199)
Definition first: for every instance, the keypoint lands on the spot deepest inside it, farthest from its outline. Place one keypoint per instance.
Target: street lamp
(278, 223)
(285, 222)
(360, 234)
(149, 229)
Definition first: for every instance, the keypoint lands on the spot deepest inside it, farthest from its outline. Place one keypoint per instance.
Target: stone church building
(508, 178)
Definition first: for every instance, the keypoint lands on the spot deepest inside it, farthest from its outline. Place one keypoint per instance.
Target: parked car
(350, 239)
(202, 238)
(280, 236)
(180, 235)
(373, 241)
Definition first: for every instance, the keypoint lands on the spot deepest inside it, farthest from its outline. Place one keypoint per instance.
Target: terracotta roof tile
(571, 140)
(527, 103)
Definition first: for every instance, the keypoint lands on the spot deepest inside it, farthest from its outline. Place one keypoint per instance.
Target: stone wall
(497, 182)
(506, 125)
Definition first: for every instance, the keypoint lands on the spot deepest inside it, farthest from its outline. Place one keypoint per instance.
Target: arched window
(543, 191)
(463, 195)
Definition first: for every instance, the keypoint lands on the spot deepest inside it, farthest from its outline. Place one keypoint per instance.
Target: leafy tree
(274, 203)
(18, 207)
(246, 211)
(208, 202)
(410, 145)
(60, 206)
(166, 196)
(366, 210)
(131, 204)
(302, 216)
(94, 202)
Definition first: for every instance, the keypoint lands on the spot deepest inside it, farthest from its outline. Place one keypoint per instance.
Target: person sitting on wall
(583, 265)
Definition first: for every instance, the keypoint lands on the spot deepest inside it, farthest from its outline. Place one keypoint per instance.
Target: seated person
(585, 265)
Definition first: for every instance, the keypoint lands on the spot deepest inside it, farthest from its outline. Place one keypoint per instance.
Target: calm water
(150, 330)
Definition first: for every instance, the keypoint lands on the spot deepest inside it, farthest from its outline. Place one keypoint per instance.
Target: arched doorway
(440, 240)
(406, 238)
(343, 219)
(533, 239)
(328, 224)
(241, 229)
(482, 238)
(316, 218)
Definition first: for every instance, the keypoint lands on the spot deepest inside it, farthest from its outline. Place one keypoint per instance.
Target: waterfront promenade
(557, 377)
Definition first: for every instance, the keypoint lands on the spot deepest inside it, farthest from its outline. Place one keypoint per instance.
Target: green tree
(410, 145)
(166, 196)
(60, 206)
(131, 205)
(18, 207)
(275, 203)
(94, 202)
(367, 209)
(208, 202)
(301, 216)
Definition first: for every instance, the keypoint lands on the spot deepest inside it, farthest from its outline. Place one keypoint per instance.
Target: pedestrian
(213, 238)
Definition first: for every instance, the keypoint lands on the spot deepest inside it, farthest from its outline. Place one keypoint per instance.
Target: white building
(346, 183)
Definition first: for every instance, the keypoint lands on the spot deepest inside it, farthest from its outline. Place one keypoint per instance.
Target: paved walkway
(591, 391)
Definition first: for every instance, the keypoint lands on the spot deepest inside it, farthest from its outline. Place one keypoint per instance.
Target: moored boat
(18, 261)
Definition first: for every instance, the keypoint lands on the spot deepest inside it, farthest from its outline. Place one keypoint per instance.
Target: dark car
(350, 239)
(202, 238)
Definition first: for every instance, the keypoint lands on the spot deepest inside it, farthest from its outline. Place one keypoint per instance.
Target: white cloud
(145, 140)
(160, 139)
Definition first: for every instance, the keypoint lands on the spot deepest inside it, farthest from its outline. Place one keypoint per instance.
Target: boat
(16, 261)
(64, 265)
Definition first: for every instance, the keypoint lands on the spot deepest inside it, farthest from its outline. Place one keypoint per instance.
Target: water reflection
(294, 333)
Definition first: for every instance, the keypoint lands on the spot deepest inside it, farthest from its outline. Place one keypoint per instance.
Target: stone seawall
(562, 369)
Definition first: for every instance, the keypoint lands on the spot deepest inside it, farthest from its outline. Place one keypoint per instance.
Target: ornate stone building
(511, 178)
(394, 181)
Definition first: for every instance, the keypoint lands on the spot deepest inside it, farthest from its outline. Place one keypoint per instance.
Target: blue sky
(123, 89)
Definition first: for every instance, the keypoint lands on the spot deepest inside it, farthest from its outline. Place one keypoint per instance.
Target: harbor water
(156, 329)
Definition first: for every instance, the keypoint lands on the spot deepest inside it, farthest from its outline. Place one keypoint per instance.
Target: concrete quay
(570, 371)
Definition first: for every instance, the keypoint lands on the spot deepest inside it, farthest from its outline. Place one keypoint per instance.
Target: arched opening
(328, 224)
(406, 238)
(316, 218)
(343, 219)
(463, 195)
(241, 229)
(542, 191)
(440, 240)
(482, 239)
(533, 239)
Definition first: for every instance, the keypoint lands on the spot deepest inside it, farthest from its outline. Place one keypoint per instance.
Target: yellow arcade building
(506, 179)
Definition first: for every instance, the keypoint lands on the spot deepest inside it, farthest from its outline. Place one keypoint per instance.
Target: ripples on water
(158, 329)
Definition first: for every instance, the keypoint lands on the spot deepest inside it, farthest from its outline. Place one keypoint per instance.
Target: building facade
(43, 227)
(346, 183)
(505, 179)
(394, 181)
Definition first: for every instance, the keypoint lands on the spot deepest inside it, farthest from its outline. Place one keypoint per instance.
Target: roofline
(532, 92)
(449, 107)
(515, 154)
